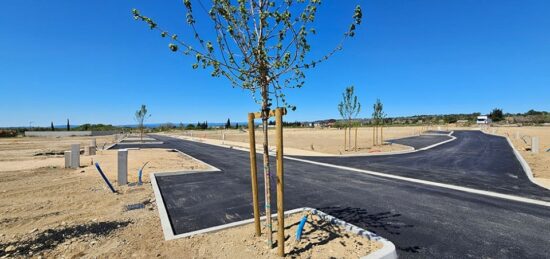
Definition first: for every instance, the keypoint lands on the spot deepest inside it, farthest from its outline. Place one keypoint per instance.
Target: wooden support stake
(345, 138)
(253, 173)
(280, 183)
(355, 139)
(382, 134)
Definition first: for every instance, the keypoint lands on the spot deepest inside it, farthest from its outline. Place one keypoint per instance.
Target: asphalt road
(422, 141)
(475, 159)
(422, 221)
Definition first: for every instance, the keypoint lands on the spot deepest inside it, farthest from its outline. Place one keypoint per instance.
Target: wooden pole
(253, 172)
(280, 183)
(345, 138)
(382, 134)
(349, 137)
(355, 139)
(373, 136)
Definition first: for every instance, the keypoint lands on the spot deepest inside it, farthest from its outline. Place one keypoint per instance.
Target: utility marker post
(535, 144)
(122, 166)
(254, 172)
(75, 156)
(280, 183)
(67, 159)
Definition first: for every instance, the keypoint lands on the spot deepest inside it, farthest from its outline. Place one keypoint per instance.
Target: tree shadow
(385, 222)
(324, 226)
(51, 238)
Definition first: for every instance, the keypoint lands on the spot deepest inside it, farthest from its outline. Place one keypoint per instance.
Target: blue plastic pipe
(301, 228)
(139, 177)
(105, 178)
(140, 172)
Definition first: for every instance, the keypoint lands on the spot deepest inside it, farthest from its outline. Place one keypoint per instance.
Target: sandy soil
(539, 162)
(312, 141)
(158, 160)
(15, 150)
(51, 212)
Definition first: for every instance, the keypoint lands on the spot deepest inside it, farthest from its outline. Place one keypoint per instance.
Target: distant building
(484, 119)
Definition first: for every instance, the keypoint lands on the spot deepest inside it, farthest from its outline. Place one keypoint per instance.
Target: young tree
(68, 125)
(349, 108)
(496, 115)
(140, 117)
(378, 119)
(51, 126)
(260, 46)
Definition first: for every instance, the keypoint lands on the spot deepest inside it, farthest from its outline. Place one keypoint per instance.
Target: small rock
(10, 248)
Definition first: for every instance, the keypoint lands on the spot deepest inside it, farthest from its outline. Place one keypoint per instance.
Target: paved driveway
(423, 221)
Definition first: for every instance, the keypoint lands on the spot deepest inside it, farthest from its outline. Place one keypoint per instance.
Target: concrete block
(517, 135)
(535, 144)
(122, 174)
(93, 143)
(67, 159)
(75, 156)
(89, 151)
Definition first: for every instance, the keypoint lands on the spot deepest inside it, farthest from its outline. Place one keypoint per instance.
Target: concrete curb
(521, 160)
(138, 143)
(430, 183)
(411, 150)
(111, 146)
(387, 251)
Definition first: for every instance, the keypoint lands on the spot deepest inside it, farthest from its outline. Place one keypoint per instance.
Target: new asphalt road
(423, 221)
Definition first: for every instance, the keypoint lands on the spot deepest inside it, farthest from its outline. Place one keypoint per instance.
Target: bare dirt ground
(51, 212)
(310, 141)
(539, 162)
(42, 151)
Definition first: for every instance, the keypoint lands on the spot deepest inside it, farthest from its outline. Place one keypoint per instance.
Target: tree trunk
(349, 134)
(267, 175)
(373, 136)
(345, 138)
(382, 134)
(356, 139)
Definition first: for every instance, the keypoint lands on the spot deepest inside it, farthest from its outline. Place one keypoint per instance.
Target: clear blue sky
(91, 62)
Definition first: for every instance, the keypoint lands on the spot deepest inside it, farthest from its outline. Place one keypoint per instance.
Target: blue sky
(89, 61)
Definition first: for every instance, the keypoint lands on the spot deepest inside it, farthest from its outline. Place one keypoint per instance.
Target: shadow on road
(382, 223)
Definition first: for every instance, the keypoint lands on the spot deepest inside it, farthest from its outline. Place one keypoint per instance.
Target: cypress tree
(68, 125)
(52, 126)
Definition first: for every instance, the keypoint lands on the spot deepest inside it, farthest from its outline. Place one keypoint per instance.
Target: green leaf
(173, 47)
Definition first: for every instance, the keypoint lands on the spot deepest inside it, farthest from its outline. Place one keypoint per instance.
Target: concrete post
(75, 156)
(535, 144)
(122, 178)
(93, 151)
(517, 135)
(93, 143)
(67, 159)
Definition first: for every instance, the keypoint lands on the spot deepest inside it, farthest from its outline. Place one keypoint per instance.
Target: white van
(483, 120)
